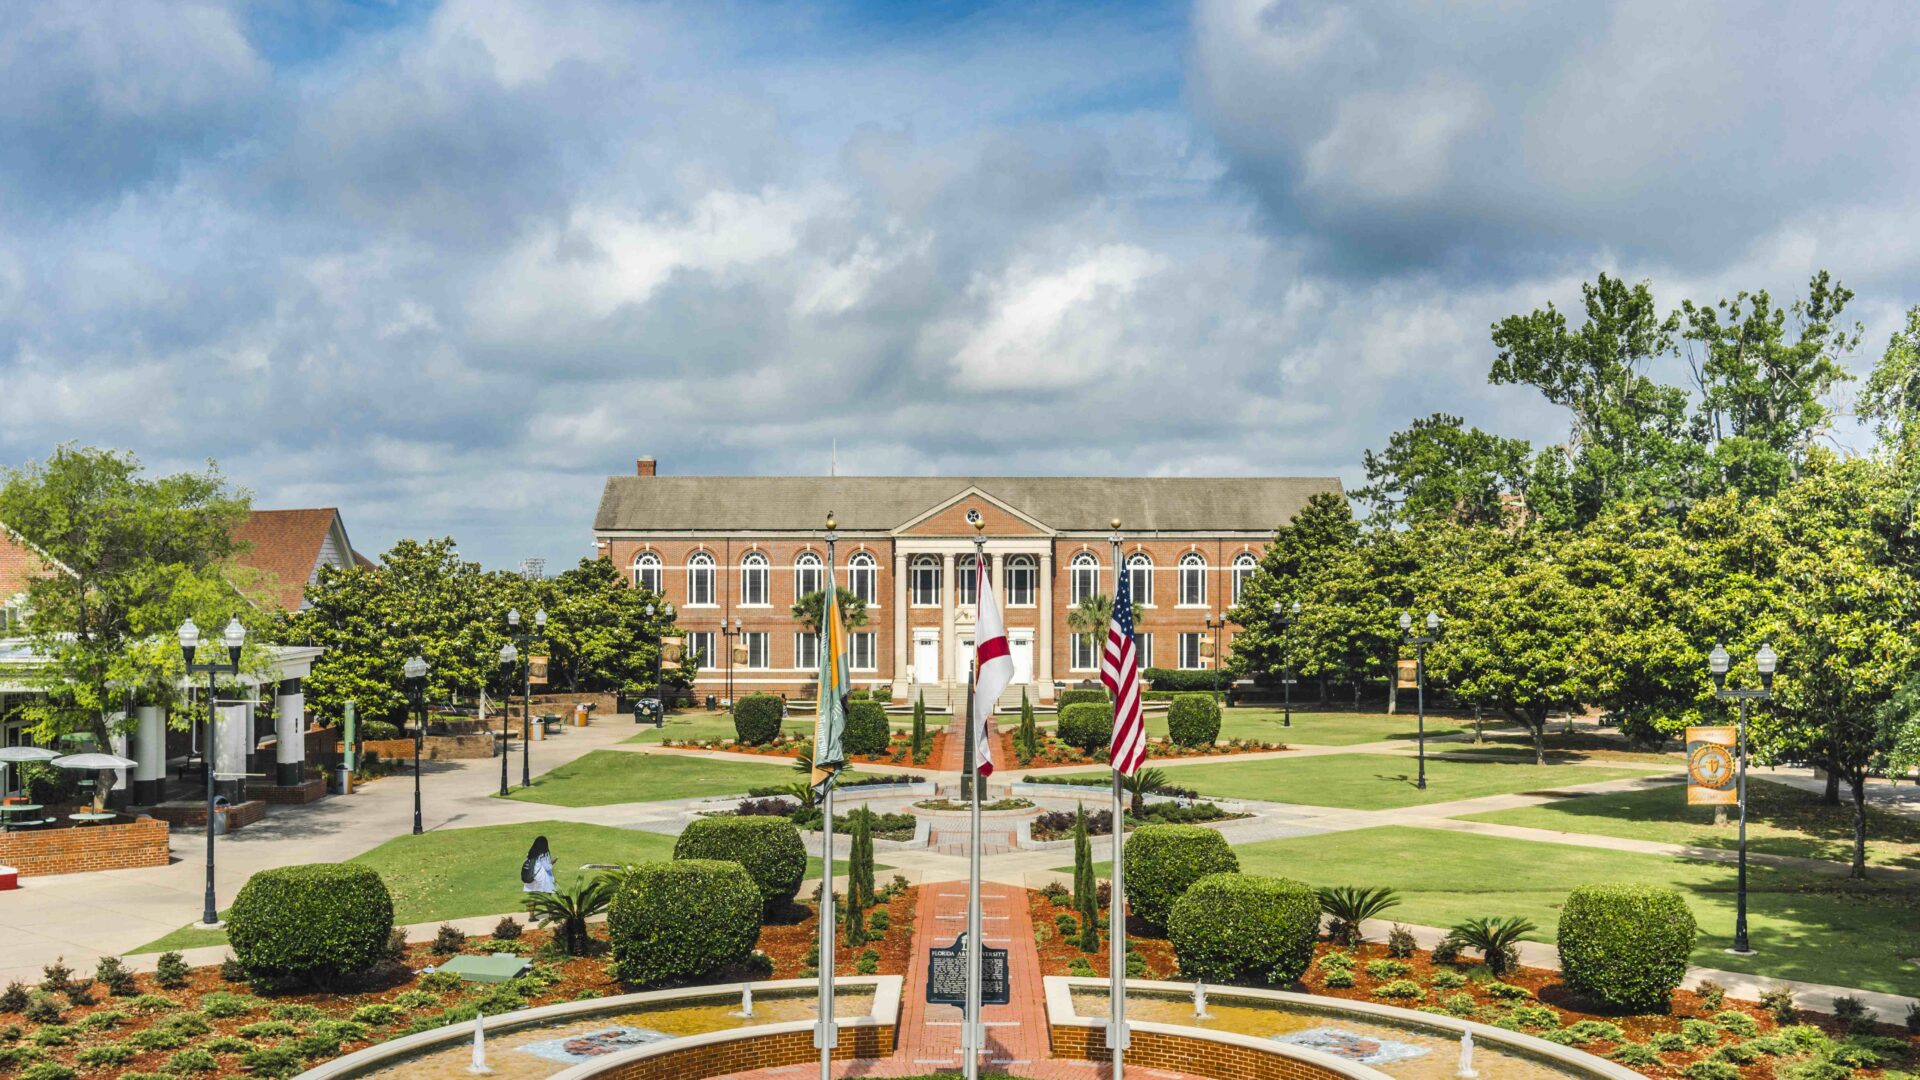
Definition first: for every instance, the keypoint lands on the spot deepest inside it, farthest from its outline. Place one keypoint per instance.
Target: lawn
(604, 777)
(1376, 781)
(1804, 926)
(699, 727)
(1782, 820)
(461, 873)
(1314, 728)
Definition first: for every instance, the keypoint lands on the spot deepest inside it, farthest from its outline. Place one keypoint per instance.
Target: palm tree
(571, 907)
(1140, 785)
(1497, 939)
(806, 610)
(1091, 615)
(1351, 905)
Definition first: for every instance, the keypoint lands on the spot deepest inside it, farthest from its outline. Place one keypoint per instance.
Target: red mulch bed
(1054, 752)
(897, 754)
(1057, 954)
(786, 943)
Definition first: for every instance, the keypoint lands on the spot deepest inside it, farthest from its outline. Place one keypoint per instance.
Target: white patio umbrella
(93, 762)
(27, 753)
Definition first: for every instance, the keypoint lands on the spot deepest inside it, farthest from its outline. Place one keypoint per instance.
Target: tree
(599, 636)
(1441, 470)
(137, 556)
(807, 609)
(1086, 900)
(1629, 437)
(1891, 401)
(1304, 554)
(920, 746)
(1761, 396)
(1092, 615)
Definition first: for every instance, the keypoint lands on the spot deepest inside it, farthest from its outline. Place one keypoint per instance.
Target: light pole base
(219, 925)
(1741, 952)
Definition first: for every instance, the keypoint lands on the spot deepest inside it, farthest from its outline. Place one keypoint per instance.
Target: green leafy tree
(1629, 431)
(599, 635)
(1441, 470)
(137, 556)
(1092, 615)
(1762, 396)
(1890, 400)
(1318, 546)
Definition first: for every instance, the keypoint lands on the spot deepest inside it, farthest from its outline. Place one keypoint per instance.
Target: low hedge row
(1181, 679)
(768, 848)
(1097, 696)
(312, 923)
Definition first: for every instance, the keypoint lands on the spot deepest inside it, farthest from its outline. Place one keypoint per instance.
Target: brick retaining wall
(752, 1052)
(141, 842)
(435, 748)
(1181, 1054)
(194, 815)
(311, 790)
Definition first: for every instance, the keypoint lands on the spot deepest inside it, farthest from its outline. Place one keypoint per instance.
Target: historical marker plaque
(947, 975)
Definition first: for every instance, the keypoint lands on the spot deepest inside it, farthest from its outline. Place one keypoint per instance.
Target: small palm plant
(1497, 939)
(1140, 785)
(1350, 905)
(570, 907)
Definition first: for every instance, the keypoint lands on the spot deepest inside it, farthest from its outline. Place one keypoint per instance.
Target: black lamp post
(234, 637)
(1766, 661)
(659, 658)
(526, 691)
(415, 672)
(509, 656)
(1420, 678)
(1219, 628)
(730, 634)
(1285, 623)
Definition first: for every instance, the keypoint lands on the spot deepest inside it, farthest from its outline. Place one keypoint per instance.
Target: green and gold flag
(830, 730)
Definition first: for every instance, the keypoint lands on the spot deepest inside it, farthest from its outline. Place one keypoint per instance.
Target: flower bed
(1055, 752)
(1058, 824)
(899, 750)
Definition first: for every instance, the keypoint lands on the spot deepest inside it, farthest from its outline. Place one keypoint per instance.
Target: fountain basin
(1327, 1037)
(867, 1008)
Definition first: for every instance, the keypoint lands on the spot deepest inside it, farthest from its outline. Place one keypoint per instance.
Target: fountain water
(1200, 1000)
(479, 1046)
(746, 1002)
(1466, 1055)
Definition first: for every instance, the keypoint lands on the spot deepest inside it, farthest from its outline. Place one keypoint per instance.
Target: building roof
(880, 503)
(288, 545)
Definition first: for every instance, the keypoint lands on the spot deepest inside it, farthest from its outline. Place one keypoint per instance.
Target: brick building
(732, 554)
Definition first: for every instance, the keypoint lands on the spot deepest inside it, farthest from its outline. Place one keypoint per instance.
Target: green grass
(1313, 728)
(699, 727)
(462, 873)
(604, 777)
(1805, 926)
(1782, 820)
(1375, 781)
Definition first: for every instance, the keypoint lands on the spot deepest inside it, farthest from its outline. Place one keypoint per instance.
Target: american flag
(1120, 671)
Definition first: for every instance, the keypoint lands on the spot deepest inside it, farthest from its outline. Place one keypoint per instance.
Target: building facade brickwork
(733, 554)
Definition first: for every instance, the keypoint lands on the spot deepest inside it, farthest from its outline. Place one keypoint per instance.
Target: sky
(448, 265)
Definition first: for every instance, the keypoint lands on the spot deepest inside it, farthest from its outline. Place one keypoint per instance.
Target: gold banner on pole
(1407, 674)
(1711, 769)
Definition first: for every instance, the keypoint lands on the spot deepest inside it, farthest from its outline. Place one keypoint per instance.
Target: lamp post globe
(189, 639)
(235, 638)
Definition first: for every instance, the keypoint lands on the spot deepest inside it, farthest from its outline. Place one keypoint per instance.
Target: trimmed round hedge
(1625, 945)
(1078, 697)
(1162, 861)
(1239, 927)
(867, 728)
(1193, 719)
(1087, 725)
(756, 718)
(310, 923)
(673, 922)
(768, 848)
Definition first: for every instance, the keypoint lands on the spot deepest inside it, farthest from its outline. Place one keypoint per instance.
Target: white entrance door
(1020, 644)
(926, 656)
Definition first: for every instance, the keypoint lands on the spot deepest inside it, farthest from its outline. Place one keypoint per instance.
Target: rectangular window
(806, 651)
(756, 643)
(806, 579)
(1022, 582)
(1086, 578)
(925, 579)
(1190, 658)
(700, 647)
(1143, 648)
(861, 647)
(1084, 658)
(1193, 584)
(861, 580)
(1140, 581)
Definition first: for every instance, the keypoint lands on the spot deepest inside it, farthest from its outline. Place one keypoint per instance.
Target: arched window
(1085, 577)
(1193, 579)
(700, 579)
(923, 577)
(646, 571)
(1140, 578)
(806, 575)
(1243, 567)
(966, 581)
(861, 577)
(1023, 580)
(753, 579)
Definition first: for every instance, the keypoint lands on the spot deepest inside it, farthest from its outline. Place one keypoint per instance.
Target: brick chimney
(643, 466)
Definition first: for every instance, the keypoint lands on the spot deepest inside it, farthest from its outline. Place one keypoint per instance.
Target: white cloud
(1055, 330)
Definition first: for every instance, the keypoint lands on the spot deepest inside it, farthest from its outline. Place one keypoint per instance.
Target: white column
(900, 669)
(150, 750)
(289, 729)
(949, 637)
(1043, 639)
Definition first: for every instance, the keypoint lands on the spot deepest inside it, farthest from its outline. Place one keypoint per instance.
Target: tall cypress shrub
(1086, 897)
(920, 728)
(1028, 744)
(862, 870)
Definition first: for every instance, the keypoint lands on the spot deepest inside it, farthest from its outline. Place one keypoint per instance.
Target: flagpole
(826, 1034)
(974, 1040)
(1117, 1036)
